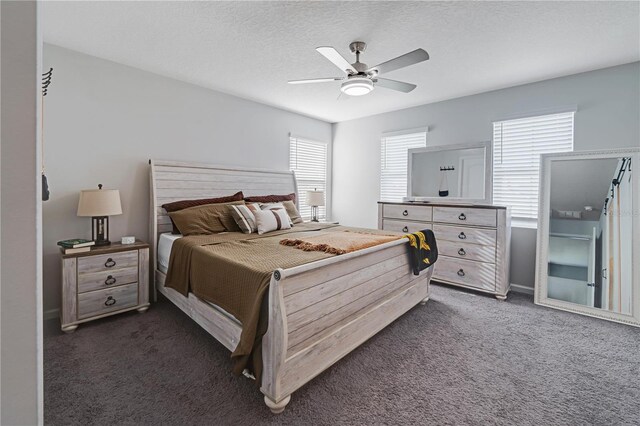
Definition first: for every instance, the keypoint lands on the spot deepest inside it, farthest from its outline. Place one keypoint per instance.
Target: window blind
(393, 163)
(309, 160)
(517, 145)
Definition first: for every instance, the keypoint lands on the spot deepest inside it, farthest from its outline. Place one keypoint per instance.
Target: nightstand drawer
(106, 279)
(108, 300)
(405, 212)
(108, 262)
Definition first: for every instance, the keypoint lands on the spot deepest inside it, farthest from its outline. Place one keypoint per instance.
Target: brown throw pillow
(293, 212)
(185, 204)
(271, 198)
(206, 219)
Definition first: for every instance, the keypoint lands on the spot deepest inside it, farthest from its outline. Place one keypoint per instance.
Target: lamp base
(314, 214)
(100, 243)
(100, 230)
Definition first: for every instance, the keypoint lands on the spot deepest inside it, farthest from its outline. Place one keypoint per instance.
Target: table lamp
(315, 199)
(99, 204)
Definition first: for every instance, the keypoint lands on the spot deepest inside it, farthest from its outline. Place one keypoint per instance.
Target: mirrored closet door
(588, 257)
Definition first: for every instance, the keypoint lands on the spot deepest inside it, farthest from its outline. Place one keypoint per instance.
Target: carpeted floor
(464, 358)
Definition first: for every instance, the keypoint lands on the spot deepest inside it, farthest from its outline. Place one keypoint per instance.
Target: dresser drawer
(405, 226)
(108, 300)
(467, 251)
(108, 262)
(400, 211)
(466, 272)
(106, 279)
(467, 235)
(465, 216)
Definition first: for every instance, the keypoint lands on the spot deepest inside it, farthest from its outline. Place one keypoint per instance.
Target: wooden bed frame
(318, 312)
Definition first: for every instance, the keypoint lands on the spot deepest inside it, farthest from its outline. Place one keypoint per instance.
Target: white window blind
(393, 163)
(517, 145)
(309, 160)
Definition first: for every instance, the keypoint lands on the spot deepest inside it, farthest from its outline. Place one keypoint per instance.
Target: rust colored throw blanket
(339, 242)
(233, 270)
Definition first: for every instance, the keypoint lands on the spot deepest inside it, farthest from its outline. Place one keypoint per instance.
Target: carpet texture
(463, 358)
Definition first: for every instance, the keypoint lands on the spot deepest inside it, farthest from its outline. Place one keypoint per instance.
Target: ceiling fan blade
(315, 80)
(400, 86)
(337, 59)
(411, 58)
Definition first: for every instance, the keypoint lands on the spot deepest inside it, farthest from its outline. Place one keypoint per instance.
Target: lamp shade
(99, 202)
(315, 198)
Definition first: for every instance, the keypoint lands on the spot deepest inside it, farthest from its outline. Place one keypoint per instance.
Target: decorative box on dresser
(105, 281)
(473, 241)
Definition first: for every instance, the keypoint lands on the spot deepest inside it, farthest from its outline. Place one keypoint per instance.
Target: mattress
(165, 242)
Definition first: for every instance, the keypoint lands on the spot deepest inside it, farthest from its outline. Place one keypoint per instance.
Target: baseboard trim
(51, 314)
(521, 288)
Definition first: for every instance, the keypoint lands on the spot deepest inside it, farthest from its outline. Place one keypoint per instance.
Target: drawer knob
(110, 301)
(405, 213)
(109, 263)
(110, 280)
(462, 216)
(461, 272)
(462, 236)
(405, 229)
(461, 252)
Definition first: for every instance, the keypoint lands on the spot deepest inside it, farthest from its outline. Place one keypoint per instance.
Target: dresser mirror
(450, 174)
(588, 254)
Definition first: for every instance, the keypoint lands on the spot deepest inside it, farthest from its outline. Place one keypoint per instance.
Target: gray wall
(104, 120)
(607, 117)
(21, 221)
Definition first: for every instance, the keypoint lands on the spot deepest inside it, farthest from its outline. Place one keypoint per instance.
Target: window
(393, 162)
(309, 159)
(517, 145)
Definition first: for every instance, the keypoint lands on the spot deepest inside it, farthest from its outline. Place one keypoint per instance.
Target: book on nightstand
(75, 245)
(75, 250)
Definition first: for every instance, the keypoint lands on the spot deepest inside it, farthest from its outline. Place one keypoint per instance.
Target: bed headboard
(174, 180)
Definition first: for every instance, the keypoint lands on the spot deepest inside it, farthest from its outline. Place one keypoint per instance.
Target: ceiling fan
(361, 79)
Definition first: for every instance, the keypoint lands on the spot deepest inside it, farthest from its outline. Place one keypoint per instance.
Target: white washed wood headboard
(174, 180)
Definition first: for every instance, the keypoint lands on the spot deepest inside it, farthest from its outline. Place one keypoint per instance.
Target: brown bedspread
(233, 271)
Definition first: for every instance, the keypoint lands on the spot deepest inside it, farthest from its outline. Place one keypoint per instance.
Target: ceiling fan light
(357, 86)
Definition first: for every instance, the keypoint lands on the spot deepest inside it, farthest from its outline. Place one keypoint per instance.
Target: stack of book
(76, 245)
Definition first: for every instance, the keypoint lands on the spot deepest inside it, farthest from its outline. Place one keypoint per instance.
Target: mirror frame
(488, 174)
(542, 251)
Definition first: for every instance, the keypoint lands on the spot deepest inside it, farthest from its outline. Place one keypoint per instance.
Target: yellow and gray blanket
(423, 250)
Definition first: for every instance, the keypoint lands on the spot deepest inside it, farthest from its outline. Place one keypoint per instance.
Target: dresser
(104, 281)
(473, 241)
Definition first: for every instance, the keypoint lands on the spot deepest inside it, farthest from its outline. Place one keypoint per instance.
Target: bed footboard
(321, 311)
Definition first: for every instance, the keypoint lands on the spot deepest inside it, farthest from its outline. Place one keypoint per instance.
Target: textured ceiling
(251, 49)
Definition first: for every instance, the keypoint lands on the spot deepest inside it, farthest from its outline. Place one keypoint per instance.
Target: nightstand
(105, 281)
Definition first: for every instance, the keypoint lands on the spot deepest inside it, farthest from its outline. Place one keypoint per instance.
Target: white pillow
(272, 220)
(275, 206)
